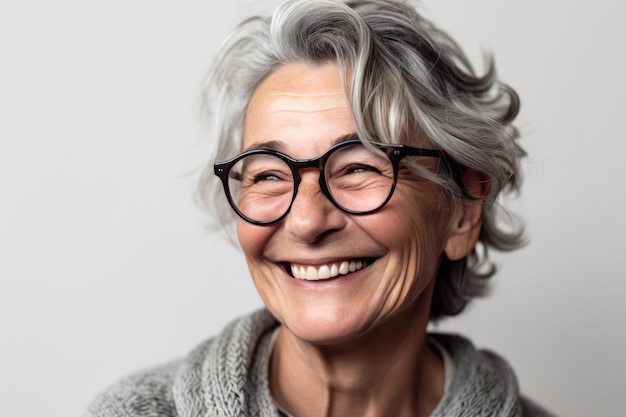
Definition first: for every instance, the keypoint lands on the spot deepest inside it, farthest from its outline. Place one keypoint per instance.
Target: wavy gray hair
(404, 78)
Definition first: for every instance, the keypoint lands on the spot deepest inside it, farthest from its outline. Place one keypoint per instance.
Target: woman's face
(303, 110)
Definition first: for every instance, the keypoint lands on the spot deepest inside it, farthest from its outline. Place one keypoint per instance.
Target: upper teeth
(313, 273)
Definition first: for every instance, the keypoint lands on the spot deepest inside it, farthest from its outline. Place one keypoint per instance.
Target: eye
(359, 168)
(266, 176)
(263, 169)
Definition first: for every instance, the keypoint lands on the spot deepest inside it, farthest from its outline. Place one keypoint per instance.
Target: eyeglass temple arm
(455, 168)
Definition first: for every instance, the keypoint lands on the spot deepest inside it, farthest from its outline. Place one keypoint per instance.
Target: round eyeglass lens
(359, 179)
(261, 186)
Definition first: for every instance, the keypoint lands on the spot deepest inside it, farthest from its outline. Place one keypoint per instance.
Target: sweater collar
(227, 376)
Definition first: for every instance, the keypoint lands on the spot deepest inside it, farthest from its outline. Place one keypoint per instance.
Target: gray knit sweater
(227, 376)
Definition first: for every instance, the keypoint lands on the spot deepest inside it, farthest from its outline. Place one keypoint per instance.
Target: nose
(312, 215)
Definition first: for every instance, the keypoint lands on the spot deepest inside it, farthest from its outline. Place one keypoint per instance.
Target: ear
(467, 220)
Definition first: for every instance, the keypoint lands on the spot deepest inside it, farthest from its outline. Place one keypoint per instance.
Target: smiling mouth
(331, 270)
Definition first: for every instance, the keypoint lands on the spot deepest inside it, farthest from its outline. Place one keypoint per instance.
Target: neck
(389, 371)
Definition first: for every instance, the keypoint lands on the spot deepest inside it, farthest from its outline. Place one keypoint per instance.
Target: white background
(106, 266)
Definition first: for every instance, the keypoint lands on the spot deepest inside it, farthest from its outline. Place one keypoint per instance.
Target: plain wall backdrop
(106, 266)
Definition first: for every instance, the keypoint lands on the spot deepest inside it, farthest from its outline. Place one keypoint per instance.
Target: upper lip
(323, 261)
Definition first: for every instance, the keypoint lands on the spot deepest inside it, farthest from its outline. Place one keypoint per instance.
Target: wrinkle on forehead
(299, 103)
(305, 103)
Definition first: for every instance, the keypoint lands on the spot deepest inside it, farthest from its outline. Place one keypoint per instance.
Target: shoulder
(146, 393)
(221, 362)
(481, 380)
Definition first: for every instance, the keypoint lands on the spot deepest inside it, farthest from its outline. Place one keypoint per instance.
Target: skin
(353, 345)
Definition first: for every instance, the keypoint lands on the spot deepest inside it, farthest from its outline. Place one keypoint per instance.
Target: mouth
(327, 271)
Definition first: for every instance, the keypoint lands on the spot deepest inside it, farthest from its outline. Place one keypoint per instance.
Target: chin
(324, 324)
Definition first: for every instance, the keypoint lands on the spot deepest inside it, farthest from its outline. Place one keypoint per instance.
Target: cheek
(418, 230)
(252, 239)
(420, 212)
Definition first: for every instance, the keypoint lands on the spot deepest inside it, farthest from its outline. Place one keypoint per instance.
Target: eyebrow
(274, 145)
(344, 138)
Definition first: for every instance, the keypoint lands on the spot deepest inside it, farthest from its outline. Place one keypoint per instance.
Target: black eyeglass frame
(395, 153)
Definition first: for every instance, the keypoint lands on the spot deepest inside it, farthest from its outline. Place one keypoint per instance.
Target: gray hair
(404, 78)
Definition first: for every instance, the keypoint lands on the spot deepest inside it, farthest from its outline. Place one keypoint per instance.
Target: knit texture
(227, 376)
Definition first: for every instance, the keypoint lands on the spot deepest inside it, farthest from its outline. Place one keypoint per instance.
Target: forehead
(299, 105)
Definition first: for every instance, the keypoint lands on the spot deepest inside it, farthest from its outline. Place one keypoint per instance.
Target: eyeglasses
(262, 184)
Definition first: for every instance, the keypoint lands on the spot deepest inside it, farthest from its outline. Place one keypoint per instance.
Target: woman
(362, 158)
